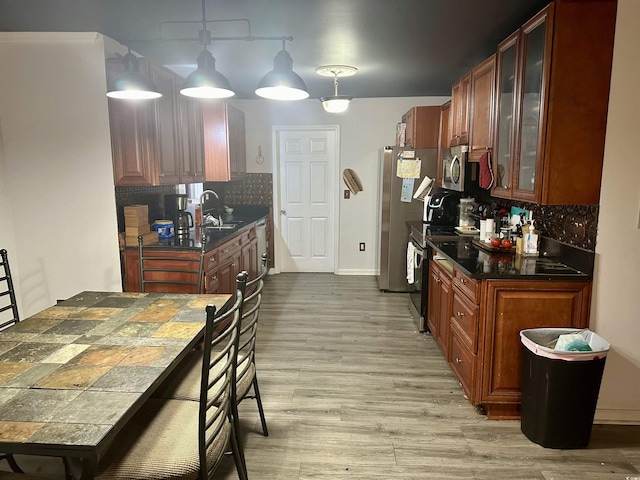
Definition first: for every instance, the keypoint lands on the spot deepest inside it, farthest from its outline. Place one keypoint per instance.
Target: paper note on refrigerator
(408, 168)
(407, 190)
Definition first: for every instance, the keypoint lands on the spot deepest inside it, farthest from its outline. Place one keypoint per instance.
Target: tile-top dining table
(72, 375)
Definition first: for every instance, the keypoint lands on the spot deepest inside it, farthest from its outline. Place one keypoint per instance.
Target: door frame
(275, 149)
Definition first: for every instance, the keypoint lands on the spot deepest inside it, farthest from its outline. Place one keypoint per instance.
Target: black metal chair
(184, 384)
(181, 439)
(169, 274)
(8, 316)
(246, 376)
(7, 290)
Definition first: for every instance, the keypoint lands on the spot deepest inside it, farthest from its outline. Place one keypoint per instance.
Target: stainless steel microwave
(454, 167)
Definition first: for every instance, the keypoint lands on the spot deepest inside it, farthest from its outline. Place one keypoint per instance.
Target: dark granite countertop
(557, 261)
(241, 217)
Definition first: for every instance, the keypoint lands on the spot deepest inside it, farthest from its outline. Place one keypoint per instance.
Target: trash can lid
(540, 341)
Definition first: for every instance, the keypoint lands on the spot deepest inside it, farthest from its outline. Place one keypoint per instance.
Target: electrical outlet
(362, 246)
(347, 194)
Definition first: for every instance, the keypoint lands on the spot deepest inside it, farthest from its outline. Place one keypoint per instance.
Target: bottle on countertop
(531, 240)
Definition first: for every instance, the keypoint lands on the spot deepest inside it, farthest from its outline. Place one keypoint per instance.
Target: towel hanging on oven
(411, 259)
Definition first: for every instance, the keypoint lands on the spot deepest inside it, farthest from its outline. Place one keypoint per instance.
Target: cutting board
(490, 248)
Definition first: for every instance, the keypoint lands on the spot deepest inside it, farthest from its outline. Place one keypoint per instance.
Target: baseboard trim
(617, 417)
(356, 272)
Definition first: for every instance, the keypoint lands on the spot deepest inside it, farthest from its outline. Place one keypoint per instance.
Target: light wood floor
(352, 392)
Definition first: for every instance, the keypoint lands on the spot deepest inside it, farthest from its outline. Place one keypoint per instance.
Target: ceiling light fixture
(336, 103)
(282, 83)
(206, 81)
(131, 84)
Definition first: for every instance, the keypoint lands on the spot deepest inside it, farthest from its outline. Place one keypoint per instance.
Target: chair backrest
(177, 273)
(218, 380)
(7, 294)
(249, 322)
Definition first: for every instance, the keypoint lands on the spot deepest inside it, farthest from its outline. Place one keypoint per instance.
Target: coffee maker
(175, 208)
(442, 209)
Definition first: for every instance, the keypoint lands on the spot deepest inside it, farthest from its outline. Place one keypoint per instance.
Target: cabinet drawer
(228, 249)
(466, 285)
(462, 362)
(464, 318)
(211, 260)
(211, 281)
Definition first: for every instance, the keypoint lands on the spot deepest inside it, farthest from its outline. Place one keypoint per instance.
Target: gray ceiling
(401, 47)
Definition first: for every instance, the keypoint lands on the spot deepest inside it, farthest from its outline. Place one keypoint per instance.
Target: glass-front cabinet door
(530, 138)
(506, 75)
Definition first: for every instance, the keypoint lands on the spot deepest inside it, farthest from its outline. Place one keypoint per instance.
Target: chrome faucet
(203, 196)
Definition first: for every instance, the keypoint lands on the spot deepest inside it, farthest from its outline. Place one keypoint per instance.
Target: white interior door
(307, 166)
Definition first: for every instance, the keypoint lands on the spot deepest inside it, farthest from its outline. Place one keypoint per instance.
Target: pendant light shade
(336, 103)
(131, 84)
(206, 81)
(282, 83)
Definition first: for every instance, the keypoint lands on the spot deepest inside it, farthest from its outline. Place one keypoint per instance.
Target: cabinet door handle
(458, 360)
(463, 281)
(460, 314)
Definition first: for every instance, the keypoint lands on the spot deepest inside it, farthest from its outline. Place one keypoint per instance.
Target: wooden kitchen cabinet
(460, 96)
(552, 91)
(133, 134)
(155, 142)
(481, 109)
(444, 137)
(230, 258)
(225, 155)
(167, 125)
(192, 136)
(439, 302)
(422, 127)
(511, 306)
(481, 332)
(211, 267)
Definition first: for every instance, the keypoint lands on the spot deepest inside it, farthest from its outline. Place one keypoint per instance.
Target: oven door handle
(418, 255)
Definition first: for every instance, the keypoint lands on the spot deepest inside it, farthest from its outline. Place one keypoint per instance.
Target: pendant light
(131, 84)
(206, 81)
(336, 103)
(282, 83)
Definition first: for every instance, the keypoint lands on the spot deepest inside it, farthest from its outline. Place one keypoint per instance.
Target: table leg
(80, 468)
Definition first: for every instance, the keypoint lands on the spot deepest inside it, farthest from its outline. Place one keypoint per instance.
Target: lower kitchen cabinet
(222, 264)
(439, 300)
(511, 306)
(482, 338)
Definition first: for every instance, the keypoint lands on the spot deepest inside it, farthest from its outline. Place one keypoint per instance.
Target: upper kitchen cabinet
(422, 126)
(552, 94)
(460, 96)
(155, 142)
(133, 134)
(225, 151)
(166, 122)
(444, 137)
(481, 109)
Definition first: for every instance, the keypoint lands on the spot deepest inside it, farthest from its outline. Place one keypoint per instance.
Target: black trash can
(559, 388)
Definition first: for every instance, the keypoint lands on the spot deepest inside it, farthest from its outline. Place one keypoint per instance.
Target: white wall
(616, 303)
(56, 186)
(368, 125)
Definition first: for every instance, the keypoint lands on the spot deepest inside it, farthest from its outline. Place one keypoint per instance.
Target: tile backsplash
(151, 196)
(575, 225)
(254, 189)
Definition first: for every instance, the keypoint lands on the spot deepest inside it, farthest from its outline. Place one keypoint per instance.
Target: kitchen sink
(227, 226)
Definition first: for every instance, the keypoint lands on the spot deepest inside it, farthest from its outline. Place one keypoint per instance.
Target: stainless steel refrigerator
(394, 215)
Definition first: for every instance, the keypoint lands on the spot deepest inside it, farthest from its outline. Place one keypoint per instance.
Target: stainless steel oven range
(418, 303)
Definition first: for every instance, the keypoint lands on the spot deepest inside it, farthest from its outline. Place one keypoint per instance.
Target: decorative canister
(164, 228)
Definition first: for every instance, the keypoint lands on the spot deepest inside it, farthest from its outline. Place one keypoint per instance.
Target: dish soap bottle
(531, 240)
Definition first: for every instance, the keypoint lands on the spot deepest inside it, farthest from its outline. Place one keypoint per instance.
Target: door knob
(283, 212)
